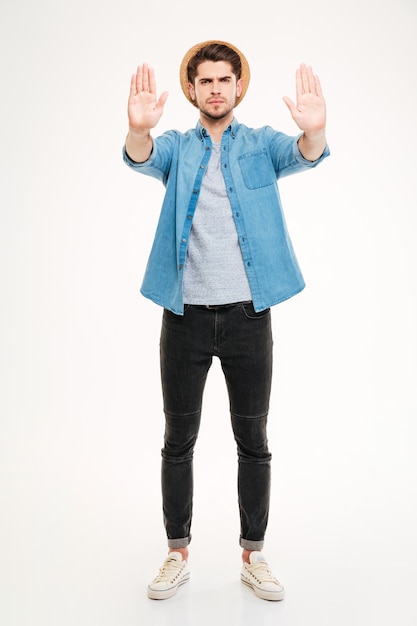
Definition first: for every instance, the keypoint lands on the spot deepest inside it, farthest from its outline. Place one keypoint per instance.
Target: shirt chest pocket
(256, 169)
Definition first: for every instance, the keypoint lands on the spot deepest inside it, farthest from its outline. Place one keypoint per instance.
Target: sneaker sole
(164, 594)
(274, 596)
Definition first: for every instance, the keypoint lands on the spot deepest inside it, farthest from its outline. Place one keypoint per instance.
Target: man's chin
(216, 113)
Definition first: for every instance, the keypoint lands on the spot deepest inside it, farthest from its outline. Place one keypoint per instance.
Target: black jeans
(242, 340)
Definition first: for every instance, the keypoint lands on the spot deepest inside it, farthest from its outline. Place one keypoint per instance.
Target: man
(221, 258)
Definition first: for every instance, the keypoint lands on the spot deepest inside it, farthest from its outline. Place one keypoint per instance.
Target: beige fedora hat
(245, 75)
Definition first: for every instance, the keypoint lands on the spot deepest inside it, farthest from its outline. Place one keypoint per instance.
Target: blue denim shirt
(252, 162)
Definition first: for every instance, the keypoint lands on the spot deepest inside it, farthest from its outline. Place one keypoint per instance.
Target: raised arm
(309, 113)
(144, 112)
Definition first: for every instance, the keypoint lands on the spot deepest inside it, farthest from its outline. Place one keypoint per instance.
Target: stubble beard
(219, 115)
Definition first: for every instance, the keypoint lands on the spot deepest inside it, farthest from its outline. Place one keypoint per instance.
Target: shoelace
(261, 572)
(169, 570)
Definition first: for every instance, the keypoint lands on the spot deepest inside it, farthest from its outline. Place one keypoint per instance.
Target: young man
(221, 258)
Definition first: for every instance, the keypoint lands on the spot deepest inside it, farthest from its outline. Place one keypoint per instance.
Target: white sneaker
(259, 577)
(173, 573)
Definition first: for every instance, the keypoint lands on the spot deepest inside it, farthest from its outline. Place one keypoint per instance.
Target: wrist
(312, 145)
(315, 135)
(139, 134)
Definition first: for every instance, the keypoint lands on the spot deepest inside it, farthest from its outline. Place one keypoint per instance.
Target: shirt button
(180, 266)
(184, 240)
(237, 214)
(189, 217)
(202, 166)
(195, 191)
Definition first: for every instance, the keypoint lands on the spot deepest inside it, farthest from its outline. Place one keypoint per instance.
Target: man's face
(215, 89)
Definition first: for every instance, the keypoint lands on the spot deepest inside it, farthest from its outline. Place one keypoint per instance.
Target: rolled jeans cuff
(179, 543)
(247, 544)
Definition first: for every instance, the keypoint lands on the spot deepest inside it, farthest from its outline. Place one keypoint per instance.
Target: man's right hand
(144, 112)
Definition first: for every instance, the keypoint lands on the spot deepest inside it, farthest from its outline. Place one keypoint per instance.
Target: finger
(162, 99)
(290, 104)
(139, 79)
(145, 77)
(133, 90)
(304, 78)
(298, 84)
(152, 80)
(311, 81)
(318, 86)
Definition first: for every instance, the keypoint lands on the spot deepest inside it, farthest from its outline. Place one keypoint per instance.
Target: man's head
(224, 58)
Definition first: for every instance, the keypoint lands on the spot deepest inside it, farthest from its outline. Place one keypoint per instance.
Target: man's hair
(214, 52)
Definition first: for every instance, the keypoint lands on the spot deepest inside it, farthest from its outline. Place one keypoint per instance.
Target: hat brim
(245, 74)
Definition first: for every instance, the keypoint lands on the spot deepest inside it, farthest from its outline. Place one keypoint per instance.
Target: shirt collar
(201, 132)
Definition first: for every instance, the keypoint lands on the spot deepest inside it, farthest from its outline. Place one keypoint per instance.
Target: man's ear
(191, 91)
(239, 88)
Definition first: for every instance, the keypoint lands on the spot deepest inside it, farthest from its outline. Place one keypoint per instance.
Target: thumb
(162, 99)
(290, 104)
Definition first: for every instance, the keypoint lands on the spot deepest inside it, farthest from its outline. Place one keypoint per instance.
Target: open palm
(144, 110)
(309, 111)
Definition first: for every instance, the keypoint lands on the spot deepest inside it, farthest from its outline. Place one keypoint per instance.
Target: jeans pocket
(250, 313)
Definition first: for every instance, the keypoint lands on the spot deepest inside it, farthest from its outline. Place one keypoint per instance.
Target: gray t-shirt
(214, 272)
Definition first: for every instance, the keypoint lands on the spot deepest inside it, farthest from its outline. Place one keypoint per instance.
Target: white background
(81, 412)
